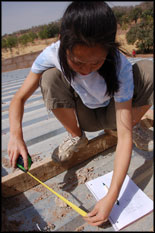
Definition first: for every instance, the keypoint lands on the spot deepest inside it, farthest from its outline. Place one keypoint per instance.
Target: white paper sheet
(133, 202)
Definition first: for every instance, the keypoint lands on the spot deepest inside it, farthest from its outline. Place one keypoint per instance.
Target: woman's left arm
(124, 147)
(102, 209)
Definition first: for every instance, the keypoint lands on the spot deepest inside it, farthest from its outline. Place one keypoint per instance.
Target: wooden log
(18, 181)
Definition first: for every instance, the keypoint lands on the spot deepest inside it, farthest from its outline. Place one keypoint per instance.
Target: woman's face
(84, 59)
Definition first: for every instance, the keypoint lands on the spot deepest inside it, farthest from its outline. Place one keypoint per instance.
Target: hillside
(30, 48)
(39, 45)
(127, 17)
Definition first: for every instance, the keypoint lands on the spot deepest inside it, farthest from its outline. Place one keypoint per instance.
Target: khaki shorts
(58, 93)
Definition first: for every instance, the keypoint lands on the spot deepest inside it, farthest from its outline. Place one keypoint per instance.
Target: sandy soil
(39, 45)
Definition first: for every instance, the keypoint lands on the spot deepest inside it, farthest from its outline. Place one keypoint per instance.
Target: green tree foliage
(9, 42)
(32, 36)
(53, 29)
(142, 33)
(43, 34)
(135, 14)
(50, 30)
(125, 22)
(132, 35)
(118, 14)
(24, 39)
(4, 43)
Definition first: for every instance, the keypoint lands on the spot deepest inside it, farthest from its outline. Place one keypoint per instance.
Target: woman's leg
(143, 91)
(142, 129)
(139, 112)
(68, 119)
(142, 102)
(59, 98)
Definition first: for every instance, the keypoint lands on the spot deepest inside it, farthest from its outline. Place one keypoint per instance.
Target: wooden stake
(18, 181)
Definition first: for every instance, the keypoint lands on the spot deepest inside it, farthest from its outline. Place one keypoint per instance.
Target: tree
(32, 36)
(119, 13)
(11, 41)
(135, 14)
(131, 35)
(43, 34)
(53, 29)
(142, 35)
(4, 44)
(145, 37)
(147, 14)
(24, 39)
(125, 21)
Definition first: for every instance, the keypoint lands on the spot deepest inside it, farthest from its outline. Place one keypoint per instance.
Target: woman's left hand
(100, 213)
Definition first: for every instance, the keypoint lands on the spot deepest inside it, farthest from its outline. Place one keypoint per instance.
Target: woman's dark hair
(90, 23)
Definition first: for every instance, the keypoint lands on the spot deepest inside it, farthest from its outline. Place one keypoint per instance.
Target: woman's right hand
(16, 147)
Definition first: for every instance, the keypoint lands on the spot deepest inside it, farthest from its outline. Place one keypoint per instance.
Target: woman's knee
(143, 83)
(49, 77)
(143, 69)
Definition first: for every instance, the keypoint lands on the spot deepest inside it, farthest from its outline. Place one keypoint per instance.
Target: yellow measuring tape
(74, 207)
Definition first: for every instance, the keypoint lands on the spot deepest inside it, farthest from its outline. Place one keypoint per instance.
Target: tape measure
(20, 165)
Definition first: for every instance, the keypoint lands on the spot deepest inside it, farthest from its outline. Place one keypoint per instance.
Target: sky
(19, 15)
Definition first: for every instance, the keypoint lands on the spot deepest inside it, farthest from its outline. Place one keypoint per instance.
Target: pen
(105, 186)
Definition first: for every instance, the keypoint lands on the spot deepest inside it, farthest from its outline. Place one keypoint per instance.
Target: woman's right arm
(16, 145)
